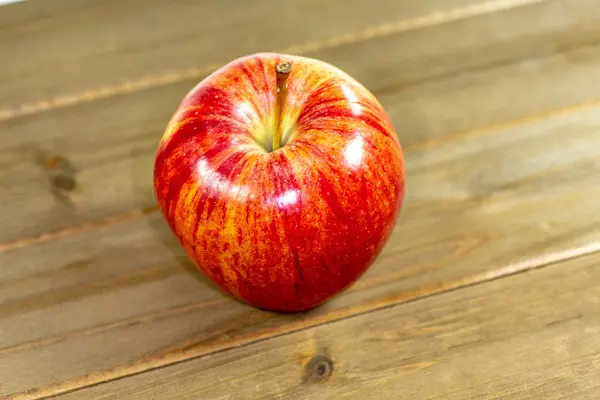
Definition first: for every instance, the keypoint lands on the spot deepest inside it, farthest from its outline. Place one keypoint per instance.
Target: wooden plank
(479, 206)
(123, 265)
(111, 143)
(64, 47)
(530, 336)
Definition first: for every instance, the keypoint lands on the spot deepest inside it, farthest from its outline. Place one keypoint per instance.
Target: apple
(282, 177)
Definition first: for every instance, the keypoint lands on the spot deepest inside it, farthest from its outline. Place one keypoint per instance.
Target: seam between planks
(157, 80)
(150, 364)
(140, 213)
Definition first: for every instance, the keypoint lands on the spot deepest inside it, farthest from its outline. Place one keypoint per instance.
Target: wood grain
(437, 82)
(479, 206)
(530, 336)
(499, 126)
(107, 45)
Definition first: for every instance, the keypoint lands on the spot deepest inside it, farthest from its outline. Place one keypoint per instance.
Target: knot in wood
(60, 173)
(318, 369)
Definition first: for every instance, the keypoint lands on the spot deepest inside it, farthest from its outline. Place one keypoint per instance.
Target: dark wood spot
(60, 172)
(318, 369)
(63, 182)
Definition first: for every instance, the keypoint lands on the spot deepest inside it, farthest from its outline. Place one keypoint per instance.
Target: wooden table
(488, 289)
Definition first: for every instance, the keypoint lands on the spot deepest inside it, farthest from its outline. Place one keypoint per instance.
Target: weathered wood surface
(480, 206)
(500, 126)
(436, 82)
(530, 336)
(64, 52)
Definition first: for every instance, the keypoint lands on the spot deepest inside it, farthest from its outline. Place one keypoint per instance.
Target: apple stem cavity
(282, 70)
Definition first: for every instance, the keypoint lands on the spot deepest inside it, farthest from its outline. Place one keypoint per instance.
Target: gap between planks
(140, 213)
(378, 31)
(145, 365)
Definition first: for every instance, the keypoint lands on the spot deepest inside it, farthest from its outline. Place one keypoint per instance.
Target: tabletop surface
(489, 287)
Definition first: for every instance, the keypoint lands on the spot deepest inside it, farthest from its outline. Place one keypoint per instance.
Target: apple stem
(283, 70)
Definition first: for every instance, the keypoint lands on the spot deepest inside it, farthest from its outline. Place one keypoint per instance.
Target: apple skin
(281, 230)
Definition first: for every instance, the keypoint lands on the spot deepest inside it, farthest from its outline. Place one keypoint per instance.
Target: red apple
(282, 186)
